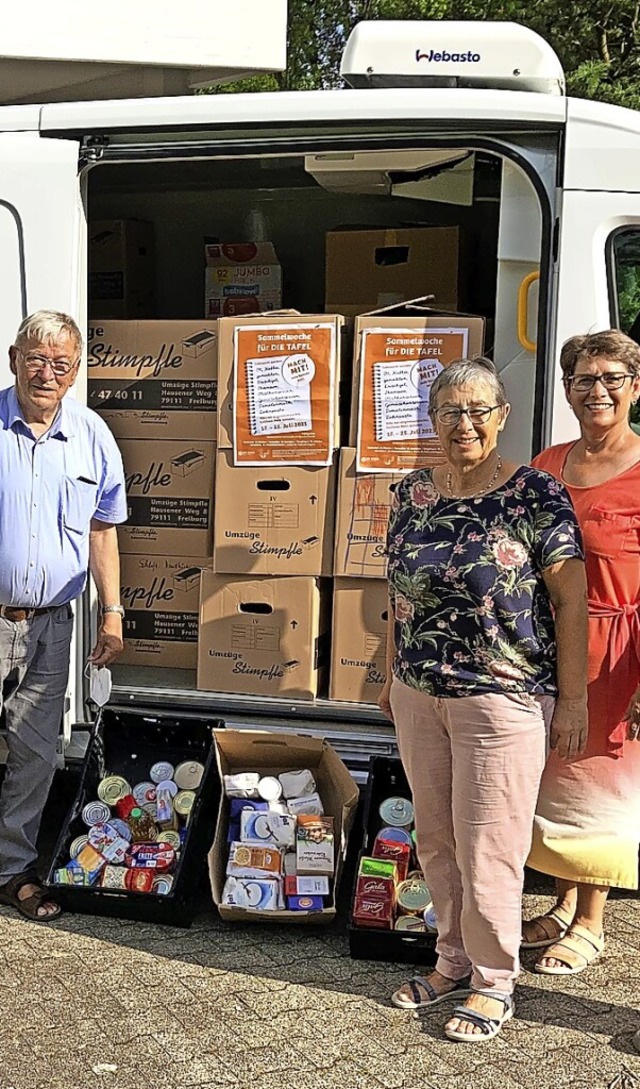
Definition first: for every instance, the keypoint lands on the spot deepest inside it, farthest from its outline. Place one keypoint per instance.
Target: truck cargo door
(599, 203)
(41, 228)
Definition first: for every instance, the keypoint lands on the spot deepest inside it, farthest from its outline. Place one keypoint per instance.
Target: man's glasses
(34, 363)
(450, 416)
(583, 383)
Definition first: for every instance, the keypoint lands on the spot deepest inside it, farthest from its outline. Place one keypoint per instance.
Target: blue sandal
(490, 1026)
(416, 1002)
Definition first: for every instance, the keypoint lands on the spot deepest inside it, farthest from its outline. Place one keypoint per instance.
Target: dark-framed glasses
(450, 415)
(34, 363)
(583, 383)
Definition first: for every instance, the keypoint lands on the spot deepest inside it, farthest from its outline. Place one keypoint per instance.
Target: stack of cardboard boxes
(264, 621)
(155, 385)
(318, 417)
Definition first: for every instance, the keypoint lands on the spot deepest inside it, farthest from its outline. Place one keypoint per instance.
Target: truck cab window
(624, 269)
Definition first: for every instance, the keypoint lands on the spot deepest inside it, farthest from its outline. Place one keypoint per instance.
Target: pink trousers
(474, 765)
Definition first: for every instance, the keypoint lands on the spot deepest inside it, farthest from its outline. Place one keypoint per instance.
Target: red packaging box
(371, 912)
(400, 853)
(376, 888)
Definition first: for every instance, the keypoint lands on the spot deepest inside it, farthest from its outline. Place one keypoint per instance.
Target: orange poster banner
(284, 389)
(397, 369)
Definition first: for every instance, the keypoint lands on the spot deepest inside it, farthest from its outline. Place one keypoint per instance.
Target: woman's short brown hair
(610, 343)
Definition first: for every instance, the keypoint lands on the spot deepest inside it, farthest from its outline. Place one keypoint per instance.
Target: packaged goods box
(169, 497)
(397, 360)
(121, 268)
(154, 379)
(278, 383)
(273, 521)
(358, 639)
(161, 596)
(262, 637)
(368, 269)
(362, 515)
(241, 278)
(270, 754)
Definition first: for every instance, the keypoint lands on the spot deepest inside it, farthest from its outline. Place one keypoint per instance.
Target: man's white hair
(45, 326)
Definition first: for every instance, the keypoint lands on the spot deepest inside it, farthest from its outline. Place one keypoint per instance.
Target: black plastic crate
(386, 779)
(127, 743)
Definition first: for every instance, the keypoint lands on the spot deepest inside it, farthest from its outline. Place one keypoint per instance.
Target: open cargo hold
(211, 184)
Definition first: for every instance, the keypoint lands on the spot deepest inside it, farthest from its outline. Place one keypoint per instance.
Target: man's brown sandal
(553, 926)
(30, 905)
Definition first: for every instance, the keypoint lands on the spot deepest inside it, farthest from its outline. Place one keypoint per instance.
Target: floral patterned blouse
(472, 613)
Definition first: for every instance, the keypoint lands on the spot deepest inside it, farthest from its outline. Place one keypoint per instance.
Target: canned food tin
(413, 897)
(112, 789)
(411, 924)
(188, 775)
(168, 786)
(151, 856)
(430, 920)
(121, 827)
(397, 812)
(78, 843)
(395, 835)
(95, 813)
(144, 792)
(162, 770)
(172, 838)
(162, 885)
(270, 788)
(183, 802)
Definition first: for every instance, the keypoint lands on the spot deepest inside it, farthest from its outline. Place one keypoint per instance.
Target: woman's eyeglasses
(450, 416)
(583, 383)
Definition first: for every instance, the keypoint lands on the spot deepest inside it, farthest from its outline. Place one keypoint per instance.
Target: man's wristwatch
(112, 609)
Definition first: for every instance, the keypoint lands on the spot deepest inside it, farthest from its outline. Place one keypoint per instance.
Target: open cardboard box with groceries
(275, 856)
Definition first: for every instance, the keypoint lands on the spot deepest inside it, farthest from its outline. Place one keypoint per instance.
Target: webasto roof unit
(70, 51)
(499, 56)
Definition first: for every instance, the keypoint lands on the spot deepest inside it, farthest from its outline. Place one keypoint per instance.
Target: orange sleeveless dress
(587, 825)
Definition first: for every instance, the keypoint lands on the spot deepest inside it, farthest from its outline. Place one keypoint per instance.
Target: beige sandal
(553, 924)
(577, 950)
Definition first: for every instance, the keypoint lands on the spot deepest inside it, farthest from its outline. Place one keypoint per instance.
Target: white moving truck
(451, 124)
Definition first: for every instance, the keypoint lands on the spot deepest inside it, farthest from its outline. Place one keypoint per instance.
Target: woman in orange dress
(587, 824)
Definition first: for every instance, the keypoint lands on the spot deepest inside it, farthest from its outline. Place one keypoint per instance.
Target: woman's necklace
(478, 491)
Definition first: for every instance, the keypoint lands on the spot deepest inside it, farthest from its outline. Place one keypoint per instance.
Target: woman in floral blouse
(487, 647)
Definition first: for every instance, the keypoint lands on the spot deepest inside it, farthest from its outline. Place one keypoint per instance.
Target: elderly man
(62, 492)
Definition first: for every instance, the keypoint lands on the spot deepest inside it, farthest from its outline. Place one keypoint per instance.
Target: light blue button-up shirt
(50, 489)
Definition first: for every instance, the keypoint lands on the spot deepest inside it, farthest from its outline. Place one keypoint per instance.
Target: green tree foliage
(598, 43)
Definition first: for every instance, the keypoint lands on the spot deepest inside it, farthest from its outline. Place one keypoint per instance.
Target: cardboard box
(260, 426)
(358, 640)
(154, 379)
(254, 750)
(397, 359)
(241, 278)
(273, 521)
(262, 637)
(362, 514)
(121, 268)
(368, 269)
(169, 497)
(161, 595)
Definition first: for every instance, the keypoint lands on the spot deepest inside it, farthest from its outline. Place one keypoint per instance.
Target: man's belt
(16, 613)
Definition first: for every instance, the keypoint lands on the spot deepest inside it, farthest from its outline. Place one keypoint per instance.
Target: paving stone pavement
(93, 1003)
